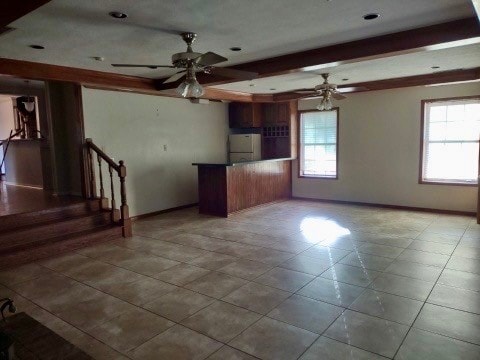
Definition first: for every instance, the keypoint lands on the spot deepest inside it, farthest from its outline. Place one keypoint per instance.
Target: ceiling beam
(434, 37)
(102, 80)
(39, 71)
(13, 10)
(417, 80)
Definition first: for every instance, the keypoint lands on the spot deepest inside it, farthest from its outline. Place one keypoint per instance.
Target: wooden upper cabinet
(255, 115)
(269, 114)
(283, 113)
(275, 114)
(244, 115)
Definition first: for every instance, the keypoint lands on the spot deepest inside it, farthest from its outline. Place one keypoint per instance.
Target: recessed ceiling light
(371, 16)
(236, 48)
(345, 79)
(38, 47)
(118, 15)
(436, 67)
(98, 58)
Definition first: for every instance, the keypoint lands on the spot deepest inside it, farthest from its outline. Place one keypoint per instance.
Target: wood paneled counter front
(226, 188)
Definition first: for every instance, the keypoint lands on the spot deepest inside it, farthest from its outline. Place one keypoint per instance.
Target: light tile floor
(287, 280)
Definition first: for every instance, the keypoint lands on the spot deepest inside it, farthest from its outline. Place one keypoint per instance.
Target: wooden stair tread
(15, 221)
(61, 244)
(21, 238)
(54, 221)
(94, 230)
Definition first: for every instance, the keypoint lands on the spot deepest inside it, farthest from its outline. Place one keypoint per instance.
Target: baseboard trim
(159, 212)
(387, 206)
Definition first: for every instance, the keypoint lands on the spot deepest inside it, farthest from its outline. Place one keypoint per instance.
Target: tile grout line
(33, 301)
(425, 302)
(250, 280)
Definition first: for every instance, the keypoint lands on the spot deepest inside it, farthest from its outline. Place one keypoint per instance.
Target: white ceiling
(74, 31)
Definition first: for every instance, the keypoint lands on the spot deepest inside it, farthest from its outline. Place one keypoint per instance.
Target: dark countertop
(240, 163)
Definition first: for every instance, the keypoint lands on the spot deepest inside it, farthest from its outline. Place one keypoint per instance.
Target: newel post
(124, 215)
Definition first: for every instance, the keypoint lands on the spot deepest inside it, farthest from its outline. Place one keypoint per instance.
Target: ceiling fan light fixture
(325, 103)
(190, 87)
(29, 105)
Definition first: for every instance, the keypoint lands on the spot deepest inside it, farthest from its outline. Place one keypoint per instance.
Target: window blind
(318, 143)
(451, 141)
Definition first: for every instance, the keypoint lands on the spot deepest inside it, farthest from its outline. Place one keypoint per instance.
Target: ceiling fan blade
(338, 96)
(232, 73)
(351, 89)
(209, 58)
(175, 77)
(143, 66)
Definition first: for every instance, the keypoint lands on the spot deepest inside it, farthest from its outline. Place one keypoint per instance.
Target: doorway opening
(30, 125)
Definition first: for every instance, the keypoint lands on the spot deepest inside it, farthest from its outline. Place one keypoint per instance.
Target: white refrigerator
(245, 147)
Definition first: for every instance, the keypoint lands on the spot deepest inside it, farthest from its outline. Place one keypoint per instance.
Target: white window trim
(424, 142)
(301, 148)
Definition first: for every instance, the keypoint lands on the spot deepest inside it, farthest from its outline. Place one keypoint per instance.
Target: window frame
(424, 103)
(299, 146)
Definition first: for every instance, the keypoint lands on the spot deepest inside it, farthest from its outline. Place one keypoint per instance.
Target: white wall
(135, 127)
(7, 122)
(23, 163)
(379, 146)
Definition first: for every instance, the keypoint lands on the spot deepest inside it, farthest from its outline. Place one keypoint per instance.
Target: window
(450, 134)
(318, 143)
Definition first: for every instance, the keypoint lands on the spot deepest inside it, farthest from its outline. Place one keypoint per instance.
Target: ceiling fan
(326, 92)
(191, 62)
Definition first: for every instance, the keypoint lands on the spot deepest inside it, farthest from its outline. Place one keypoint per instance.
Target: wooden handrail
(10, 137)
(100, 152)
(121, 171)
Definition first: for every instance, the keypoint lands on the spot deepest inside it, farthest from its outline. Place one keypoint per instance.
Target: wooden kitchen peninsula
(226, 188)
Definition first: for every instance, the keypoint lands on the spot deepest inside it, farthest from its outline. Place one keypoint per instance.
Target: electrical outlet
(164, 147)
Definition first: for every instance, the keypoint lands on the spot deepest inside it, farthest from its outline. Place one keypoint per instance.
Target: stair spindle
(93, 183)
(121, 217)
(103, 200)
(112, 191)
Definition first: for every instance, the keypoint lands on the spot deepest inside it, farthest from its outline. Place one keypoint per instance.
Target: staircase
(35, 235)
